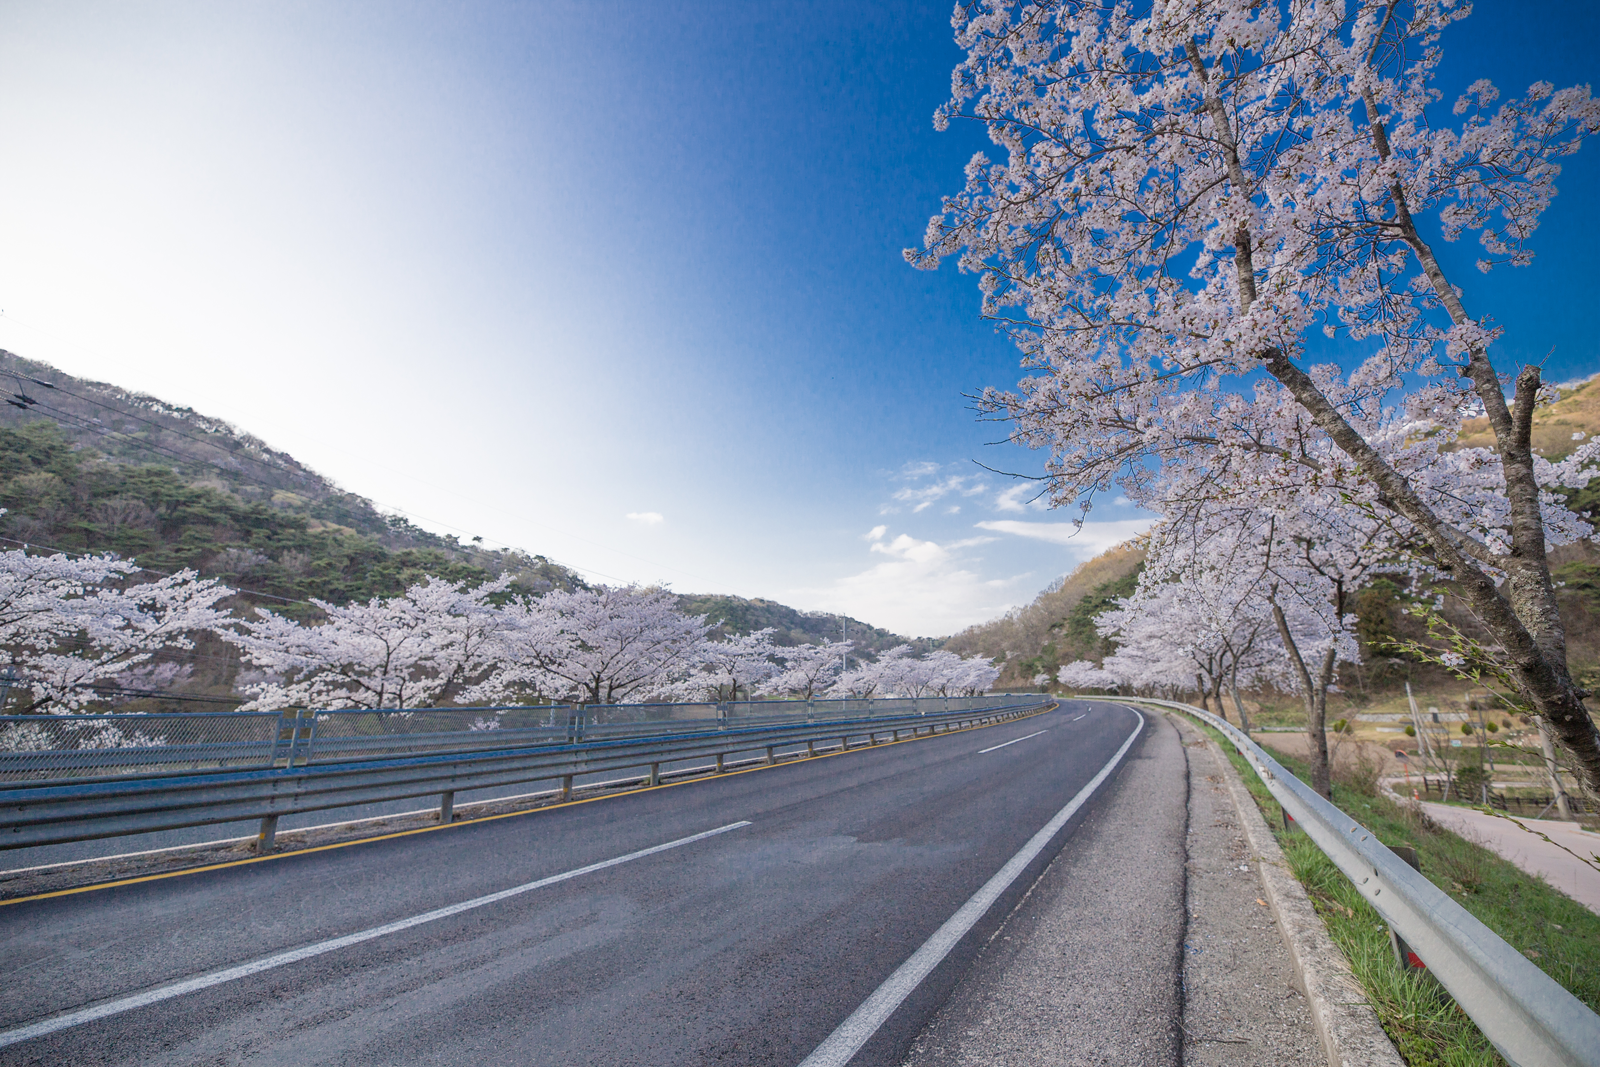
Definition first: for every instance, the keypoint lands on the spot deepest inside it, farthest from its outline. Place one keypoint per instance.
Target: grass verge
(1560, 935)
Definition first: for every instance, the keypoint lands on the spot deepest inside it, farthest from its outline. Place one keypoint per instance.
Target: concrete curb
(1348, 1027)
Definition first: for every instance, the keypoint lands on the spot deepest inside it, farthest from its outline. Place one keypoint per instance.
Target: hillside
(740, 616)
(1058, 627)
(89, 467)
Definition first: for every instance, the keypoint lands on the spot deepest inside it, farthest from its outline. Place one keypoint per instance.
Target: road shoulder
(1242, 1004)
(1083, 971)
(1350, 1033)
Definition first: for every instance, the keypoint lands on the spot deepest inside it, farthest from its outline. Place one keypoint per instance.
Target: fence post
(447, 806)
(269, 833)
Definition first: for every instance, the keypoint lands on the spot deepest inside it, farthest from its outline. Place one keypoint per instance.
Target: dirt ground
(1345, 753)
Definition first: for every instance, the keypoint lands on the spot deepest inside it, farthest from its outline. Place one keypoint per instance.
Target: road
(748, 945)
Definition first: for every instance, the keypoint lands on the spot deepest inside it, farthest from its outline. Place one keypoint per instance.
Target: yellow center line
(485, 818)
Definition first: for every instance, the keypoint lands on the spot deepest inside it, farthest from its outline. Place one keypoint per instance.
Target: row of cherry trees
(1210, 227)
(444, 641)
(80, 629)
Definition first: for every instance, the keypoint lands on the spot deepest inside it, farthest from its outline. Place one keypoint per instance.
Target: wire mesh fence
(52, 746)
(34, 747)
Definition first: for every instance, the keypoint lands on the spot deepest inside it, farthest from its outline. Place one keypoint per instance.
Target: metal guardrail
(36, 747)
(60, 809)
(1525, 1013)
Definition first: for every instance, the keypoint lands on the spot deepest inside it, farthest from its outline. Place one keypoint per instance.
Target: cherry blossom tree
(69, 624)
(809, 669)
(1188, 191)
(722, 669)
(602, 645)
(897, 673)
(401, 652)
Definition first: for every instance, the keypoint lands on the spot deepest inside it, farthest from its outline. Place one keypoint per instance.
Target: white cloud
(1020, 498)
(1086, 541)
(922, 589)
(919, 470)
(876, 533)
(920, 497)
(646, 518)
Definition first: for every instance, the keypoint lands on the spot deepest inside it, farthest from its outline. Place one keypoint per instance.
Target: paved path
(748, 947)
(1528, 851)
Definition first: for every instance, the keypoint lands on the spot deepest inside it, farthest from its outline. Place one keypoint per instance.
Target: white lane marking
(1079, 717)
(846, 1041)
(992, 748)
(244, 970)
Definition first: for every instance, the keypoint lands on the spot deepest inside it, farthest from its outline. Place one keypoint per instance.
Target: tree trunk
(1238, 705)
(1316, 702)
(1200, 689)
(1528, 625)
(1216, 695)
(1563, 808)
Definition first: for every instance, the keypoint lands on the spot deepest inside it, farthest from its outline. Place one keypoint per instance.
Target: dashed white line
(1013, 741)
(1079, 717)
(244, 970)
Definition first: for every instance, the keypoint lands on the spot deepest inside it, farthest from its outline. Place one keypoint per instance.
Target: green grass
(1560, 935)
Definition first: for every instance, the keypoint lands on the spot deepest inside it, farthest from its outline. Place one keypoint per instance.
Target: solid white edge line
(244, 970)
(841, 1045)
(995, 748)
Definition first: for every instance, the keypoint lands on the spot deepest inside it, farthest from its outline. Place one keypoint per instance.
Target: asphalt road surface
(742, 920)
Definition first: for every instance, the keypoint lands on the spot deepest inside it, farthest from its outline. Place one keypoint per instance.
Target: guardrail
(62, 803)
(1525, 1013)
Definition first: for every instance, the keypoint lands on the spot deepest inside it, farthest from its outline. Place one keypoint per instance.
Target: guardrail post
(269, 833)
(655, 775)
(771, 759)
(1403, 956)
(447, 806)
(811, 748)
(719, 762)
(566, 787)
(844, 744)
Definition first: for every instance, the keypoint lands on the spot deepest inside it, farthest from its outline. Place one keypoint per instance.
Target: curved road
(739, 919)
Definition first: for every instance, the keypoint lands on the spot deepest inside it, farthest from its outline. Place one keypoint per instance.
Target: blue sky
(617, 283)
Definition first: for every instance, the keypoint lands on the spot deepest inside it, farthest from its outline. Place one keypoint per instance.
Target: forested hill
(86, 466)
(740, 616)
(1058, 627)
(90, 467)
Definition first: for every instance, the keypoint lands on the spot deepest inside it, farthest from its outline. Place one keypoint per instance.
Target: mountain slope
(1058, 627)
